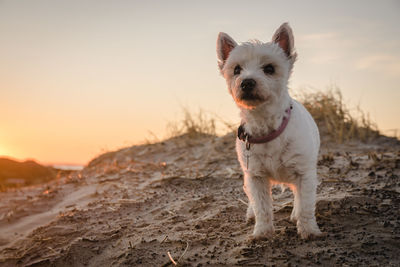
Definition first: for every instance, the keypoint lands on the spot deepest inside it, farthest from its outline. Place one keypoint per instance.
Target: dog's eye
(237, 70)
(269, 69)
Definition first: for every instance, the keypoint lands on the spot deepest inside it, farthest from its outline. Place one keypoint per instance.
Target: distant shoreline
(67, 167)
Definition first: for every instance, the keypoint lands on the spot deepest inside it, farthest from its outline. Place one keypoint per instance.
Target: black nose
(248, 85)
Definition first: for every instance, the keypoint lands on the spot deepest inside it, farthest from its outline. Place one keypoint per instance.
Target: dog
(278, 140)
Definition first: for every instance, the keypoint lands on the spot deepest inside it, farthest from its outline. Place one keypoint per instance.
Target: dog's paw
(263, 231)
(308, 229)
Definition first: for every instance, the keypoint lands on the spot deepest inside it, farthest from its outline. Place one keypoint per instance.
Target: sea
(69, 167)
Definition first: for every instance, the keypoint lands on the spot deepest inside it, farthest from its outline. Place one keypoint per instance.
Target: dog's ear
(225, 45)
(284, 38)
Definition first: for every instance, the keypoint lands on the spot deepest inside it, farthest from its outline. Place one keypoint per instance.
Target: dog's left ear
(225, 44)
(284, 38)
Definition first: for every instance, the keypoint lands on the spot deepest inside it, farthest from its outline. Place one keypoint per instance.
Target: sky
(78, 78)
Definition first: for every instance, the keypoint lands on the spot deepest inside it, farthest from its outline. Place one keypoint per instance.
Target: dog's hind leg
(304, 206)
(295, 214)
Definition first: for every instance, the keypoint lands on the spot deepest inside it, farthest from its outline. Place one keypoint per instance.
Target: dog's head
(256, 72)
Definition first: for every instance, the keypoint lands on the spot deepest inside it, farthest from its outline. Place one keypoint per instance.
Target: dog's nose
(248, 85)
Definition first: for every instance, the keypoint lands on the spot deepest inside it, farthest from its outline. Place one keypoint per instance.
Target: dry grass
(200, 123)
(334, 118)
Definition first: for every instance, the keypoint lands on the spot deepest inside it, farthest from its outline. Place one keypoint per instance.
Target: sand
(183, 199)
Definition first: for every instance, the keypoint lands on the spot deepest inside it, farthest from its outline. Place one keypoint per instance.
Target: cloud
(325, 58)
(381, 62)
(318, 37)
(320, 48)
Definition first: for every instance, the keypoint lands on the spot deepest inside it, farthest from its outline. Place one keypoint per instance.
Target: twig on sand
(241, 200)
(187, 246)
(205, 175)
(177, 261)
(165, 238)
(171, 212)
(52, 250)
(130, 245)
(172, 259)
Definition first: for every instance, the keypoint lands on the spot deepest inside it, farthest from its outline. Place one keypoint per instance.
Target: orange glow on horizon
(64, 154)
(4, 152)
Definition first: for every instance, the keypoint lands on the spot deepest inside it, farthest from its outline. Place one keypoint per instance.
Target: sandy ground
(184, 197)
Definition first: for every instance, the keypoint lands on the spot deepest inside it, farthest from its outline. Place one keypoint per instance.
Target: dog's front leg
(258, 190)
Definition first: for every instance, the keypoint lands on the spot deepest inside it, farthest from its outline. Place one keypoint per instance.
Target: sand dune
(184, 197)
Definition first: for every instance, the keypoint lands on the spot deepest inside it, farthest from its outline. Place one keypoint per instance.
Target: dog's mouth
(249, 100)
(250, 97)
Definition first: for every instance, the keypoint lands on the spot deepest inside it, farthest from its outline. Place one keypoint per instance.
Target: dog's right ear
(225, 45)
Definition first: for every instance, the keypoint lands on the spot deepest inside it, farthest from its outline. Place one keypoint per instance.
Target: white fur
(291, 158)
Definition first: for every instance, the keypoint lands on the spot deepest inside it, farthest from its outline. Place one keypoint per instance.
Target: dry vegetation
(334, 119)
(198, 123)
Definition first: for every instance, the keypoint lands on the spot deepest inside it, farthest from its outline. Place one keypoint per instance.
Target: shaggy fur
(289, 159)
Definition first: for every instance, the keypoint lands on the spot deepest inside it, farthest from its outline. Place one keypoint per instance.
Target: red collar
(245, 137)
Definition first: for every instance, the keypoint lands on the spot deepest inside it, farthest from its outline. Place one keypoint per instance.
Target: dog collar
(248, 139)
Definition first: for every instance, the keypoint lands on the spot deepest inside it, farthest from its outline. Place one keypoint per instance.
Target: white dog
(278, 140)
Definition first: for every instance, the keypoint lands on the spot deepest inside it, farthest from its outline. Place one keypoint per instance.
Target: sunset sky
(81, 77)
